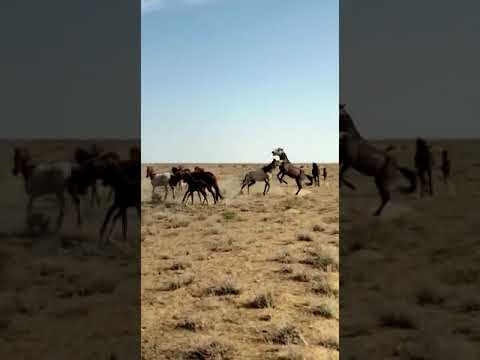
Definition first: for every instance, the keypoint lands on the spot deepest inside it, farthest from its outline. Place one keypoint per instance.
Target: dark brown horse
(424, 164)
(124, 178)
(361, 155)
(82, 156)
(316, 174)
(446, 165)
(209, 178)
(288, 169)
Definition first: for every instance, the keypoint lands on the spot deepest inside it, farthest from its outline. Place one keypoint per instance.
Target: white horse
(264, 174)
(46, 178)
(157, 180)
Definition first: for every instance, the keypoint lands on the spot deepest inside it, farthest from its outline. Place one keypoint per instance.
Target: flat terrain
(410, 278)
(61, 297)
(252, 277)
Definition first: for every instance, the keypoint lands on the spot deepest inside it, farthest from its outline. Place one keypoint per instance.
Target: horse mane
(346, 123)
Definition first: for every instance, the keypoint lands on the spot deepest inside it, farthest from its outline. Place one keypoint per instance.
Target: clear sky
(229, 80)
(410, 68)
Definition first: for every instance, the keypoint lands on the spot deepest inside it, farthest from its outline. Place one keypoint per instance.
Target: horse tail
(244, 181)
(217, 189)
(411, 177)
(310, 178)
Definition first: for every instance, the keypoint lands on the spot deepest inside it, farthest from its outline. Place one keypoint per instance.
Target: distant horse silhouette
(362, 156)
(287, 168)
(324, 174)
(316, 174)
(424, 164)
(446, 164)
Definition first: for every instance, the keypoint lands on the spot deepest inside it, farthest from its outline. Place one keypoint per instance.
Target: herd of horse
(88, 167)
(76, 176)
(358, 153)
(200, 181)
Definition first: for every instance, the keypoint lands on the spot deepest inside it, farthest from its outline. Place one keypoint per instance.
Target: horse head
(20, 157)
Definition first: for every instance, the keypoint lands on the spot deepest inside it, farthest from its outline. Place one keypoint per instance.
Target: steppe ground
(61, 297)
(410, 279)
(252, 277)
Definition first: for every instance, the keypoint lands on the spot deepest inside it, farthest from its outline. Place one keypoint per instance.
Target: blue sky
(229, 80)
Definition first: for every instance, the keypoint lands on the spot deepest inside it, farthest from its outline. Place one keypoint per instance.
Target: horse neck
(347, 125)
(284, 157)
(27, 168)
(268, 168)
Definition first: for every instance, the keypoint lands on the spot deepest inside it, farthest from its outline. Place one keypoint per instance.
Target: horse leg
(185, 196)
(213, 194)
(423, 183)
(280, 176)
(204, 196)
(343, 168)
(250, 184)
(124, 223)
(76, 201)
(430, 185)
(384, 194)
(107, 218)
(166, 193)
(61, 213)
(299, 185)
(29, 208)
(112, 225)
(267, 187)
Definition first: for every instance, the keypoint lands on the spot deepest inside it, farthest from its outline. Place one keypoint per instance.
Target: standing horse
(316, 174)
(83, 156)
(123, 178)
(367, 159)
(164, 180)
(424, 164)
(446, 164)
(264, 174)
(45, 178)
(287, 168)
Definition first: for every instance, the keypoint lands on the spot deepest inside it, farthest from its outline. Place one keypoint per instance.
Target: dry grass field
(252, 277)
(60, 296)
(410, 278)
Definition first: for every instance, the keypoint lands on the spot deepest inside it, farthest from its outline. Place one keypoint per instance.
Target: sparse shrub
(286, 270)
(210, 351)
(284, 258)
(398, 318)
(429, 296)
(326, 259)
(330, 342)
(318, 228)
(326, 308)
(177, 283)
(303, 236)
(301, 277)
(181, 265)
(262, 301)
(190, 325)
(286, 335)
(322, 286)
(228, 287)
(228, 215)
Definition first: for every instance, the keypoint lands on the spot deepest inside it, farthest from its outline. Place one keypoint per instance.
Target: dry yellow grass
(61, 298)
(252, 277)
(410, 278)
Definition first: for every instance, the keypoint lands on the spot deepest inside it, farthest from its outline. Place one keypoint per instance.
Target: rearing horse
(361, 155)
(287, 168)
